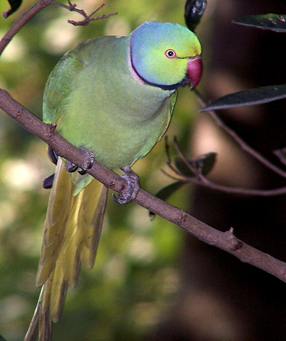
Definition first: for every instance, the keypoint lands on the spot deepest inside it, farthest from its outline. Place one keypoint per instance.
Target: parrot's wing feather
(71, 234)
(168, 105)
(58, 88)
(41, 324)
(59, 84)
(60, 203)
(90, 221)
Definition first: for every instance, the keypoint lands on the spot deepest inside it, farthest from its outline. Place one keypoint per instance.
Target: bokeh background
(151, 280)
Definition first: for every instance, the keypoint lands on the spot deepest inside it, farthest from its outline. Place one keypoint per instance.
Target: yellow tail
(71, 233)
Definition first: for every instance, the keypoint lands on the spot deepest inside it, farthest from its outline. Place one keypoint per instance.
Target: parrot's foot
(48, 182)
(53, 156)
(88, 160)
(70, 167)
(132, 189)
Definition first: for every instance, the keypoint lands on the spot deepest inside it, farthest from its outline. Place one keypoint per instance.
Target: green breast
(97, 103)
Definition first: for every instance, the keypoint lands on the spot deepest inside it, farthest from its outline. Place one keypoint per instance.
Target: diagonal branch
(40, 5)
(223, 240)
(242, 143)
(200, 179)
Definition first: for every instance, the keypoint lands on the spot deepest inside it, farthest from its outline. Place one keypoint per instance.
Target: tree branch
(223, 240)
(200, 179)
(26, 16)
(242, 143)
(23, 19)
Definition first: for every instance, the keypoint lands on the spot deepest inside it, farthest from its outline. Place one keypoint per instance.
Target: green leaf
(14, 5)
(194, 10)
(260, 95)
(2, 338)
(202, 165)
(166, 192)
(273, 22)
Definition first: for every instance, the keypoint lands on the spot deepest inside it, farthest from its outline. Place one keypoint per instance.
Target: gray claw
(88, 158)
(53, 156)
(48, 181)
(132, 189)
(70, 167)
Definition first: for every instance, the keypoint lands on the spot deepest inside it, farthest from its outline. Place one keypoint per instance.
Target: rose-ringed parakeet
(113, 96)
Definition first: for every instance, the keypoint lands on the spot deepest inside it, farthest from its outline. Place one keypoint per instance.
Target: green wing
(59, 84)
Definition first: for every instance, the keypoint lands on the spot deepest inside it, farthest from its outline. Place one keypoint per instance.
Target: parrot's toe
(53, 156)
(132, 189)
(88, 160)
(48, 182)
(70, 167)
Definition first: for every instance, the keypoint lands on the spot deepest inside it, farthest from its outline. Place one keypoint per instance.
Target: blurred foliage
(131, 287)
(271, 22)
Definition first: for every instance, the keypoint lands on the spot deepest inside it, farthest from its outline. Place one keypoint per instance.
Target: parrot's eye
(170, 54)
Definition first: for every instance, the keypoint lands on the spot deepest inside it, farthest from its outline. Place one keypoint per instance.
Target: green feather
(114, 96)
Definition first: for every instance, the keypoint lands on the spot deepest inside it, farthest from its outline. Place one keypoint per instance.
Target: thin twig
(31, 12)
(170, 162)
(88, 18)
(201, 180)
(242, 143)
(23, 19)
(184, 159)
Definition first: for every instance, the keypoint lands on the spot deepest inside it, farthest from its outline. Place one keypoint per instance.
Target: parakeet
(113, 96)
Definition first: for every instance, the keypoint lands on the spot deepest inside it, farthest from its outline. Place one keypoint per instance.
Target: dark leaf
(273, 22)
(202, 165)
(2, 338)
(194, 10)
(206, 162)
(166, 192)
(184, 169)
(14, 4)
(261, 95)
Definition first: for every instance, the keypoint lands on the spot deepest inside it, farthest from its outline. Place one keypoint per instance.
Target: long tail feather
(71, 233)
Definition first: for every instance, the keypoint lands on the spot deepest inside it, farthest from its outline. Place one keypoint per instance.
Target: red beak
(194, 71)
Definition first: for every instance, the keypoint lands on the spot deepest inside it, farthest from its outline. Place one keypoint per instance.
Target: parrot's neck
(141, 94)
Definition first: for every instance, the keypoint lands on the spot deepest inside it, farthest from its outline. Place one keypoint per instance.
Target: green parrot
(113, 97)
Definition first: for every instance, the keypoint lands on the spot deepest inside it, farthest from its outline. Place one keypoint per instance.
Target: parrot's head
(166, 55)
